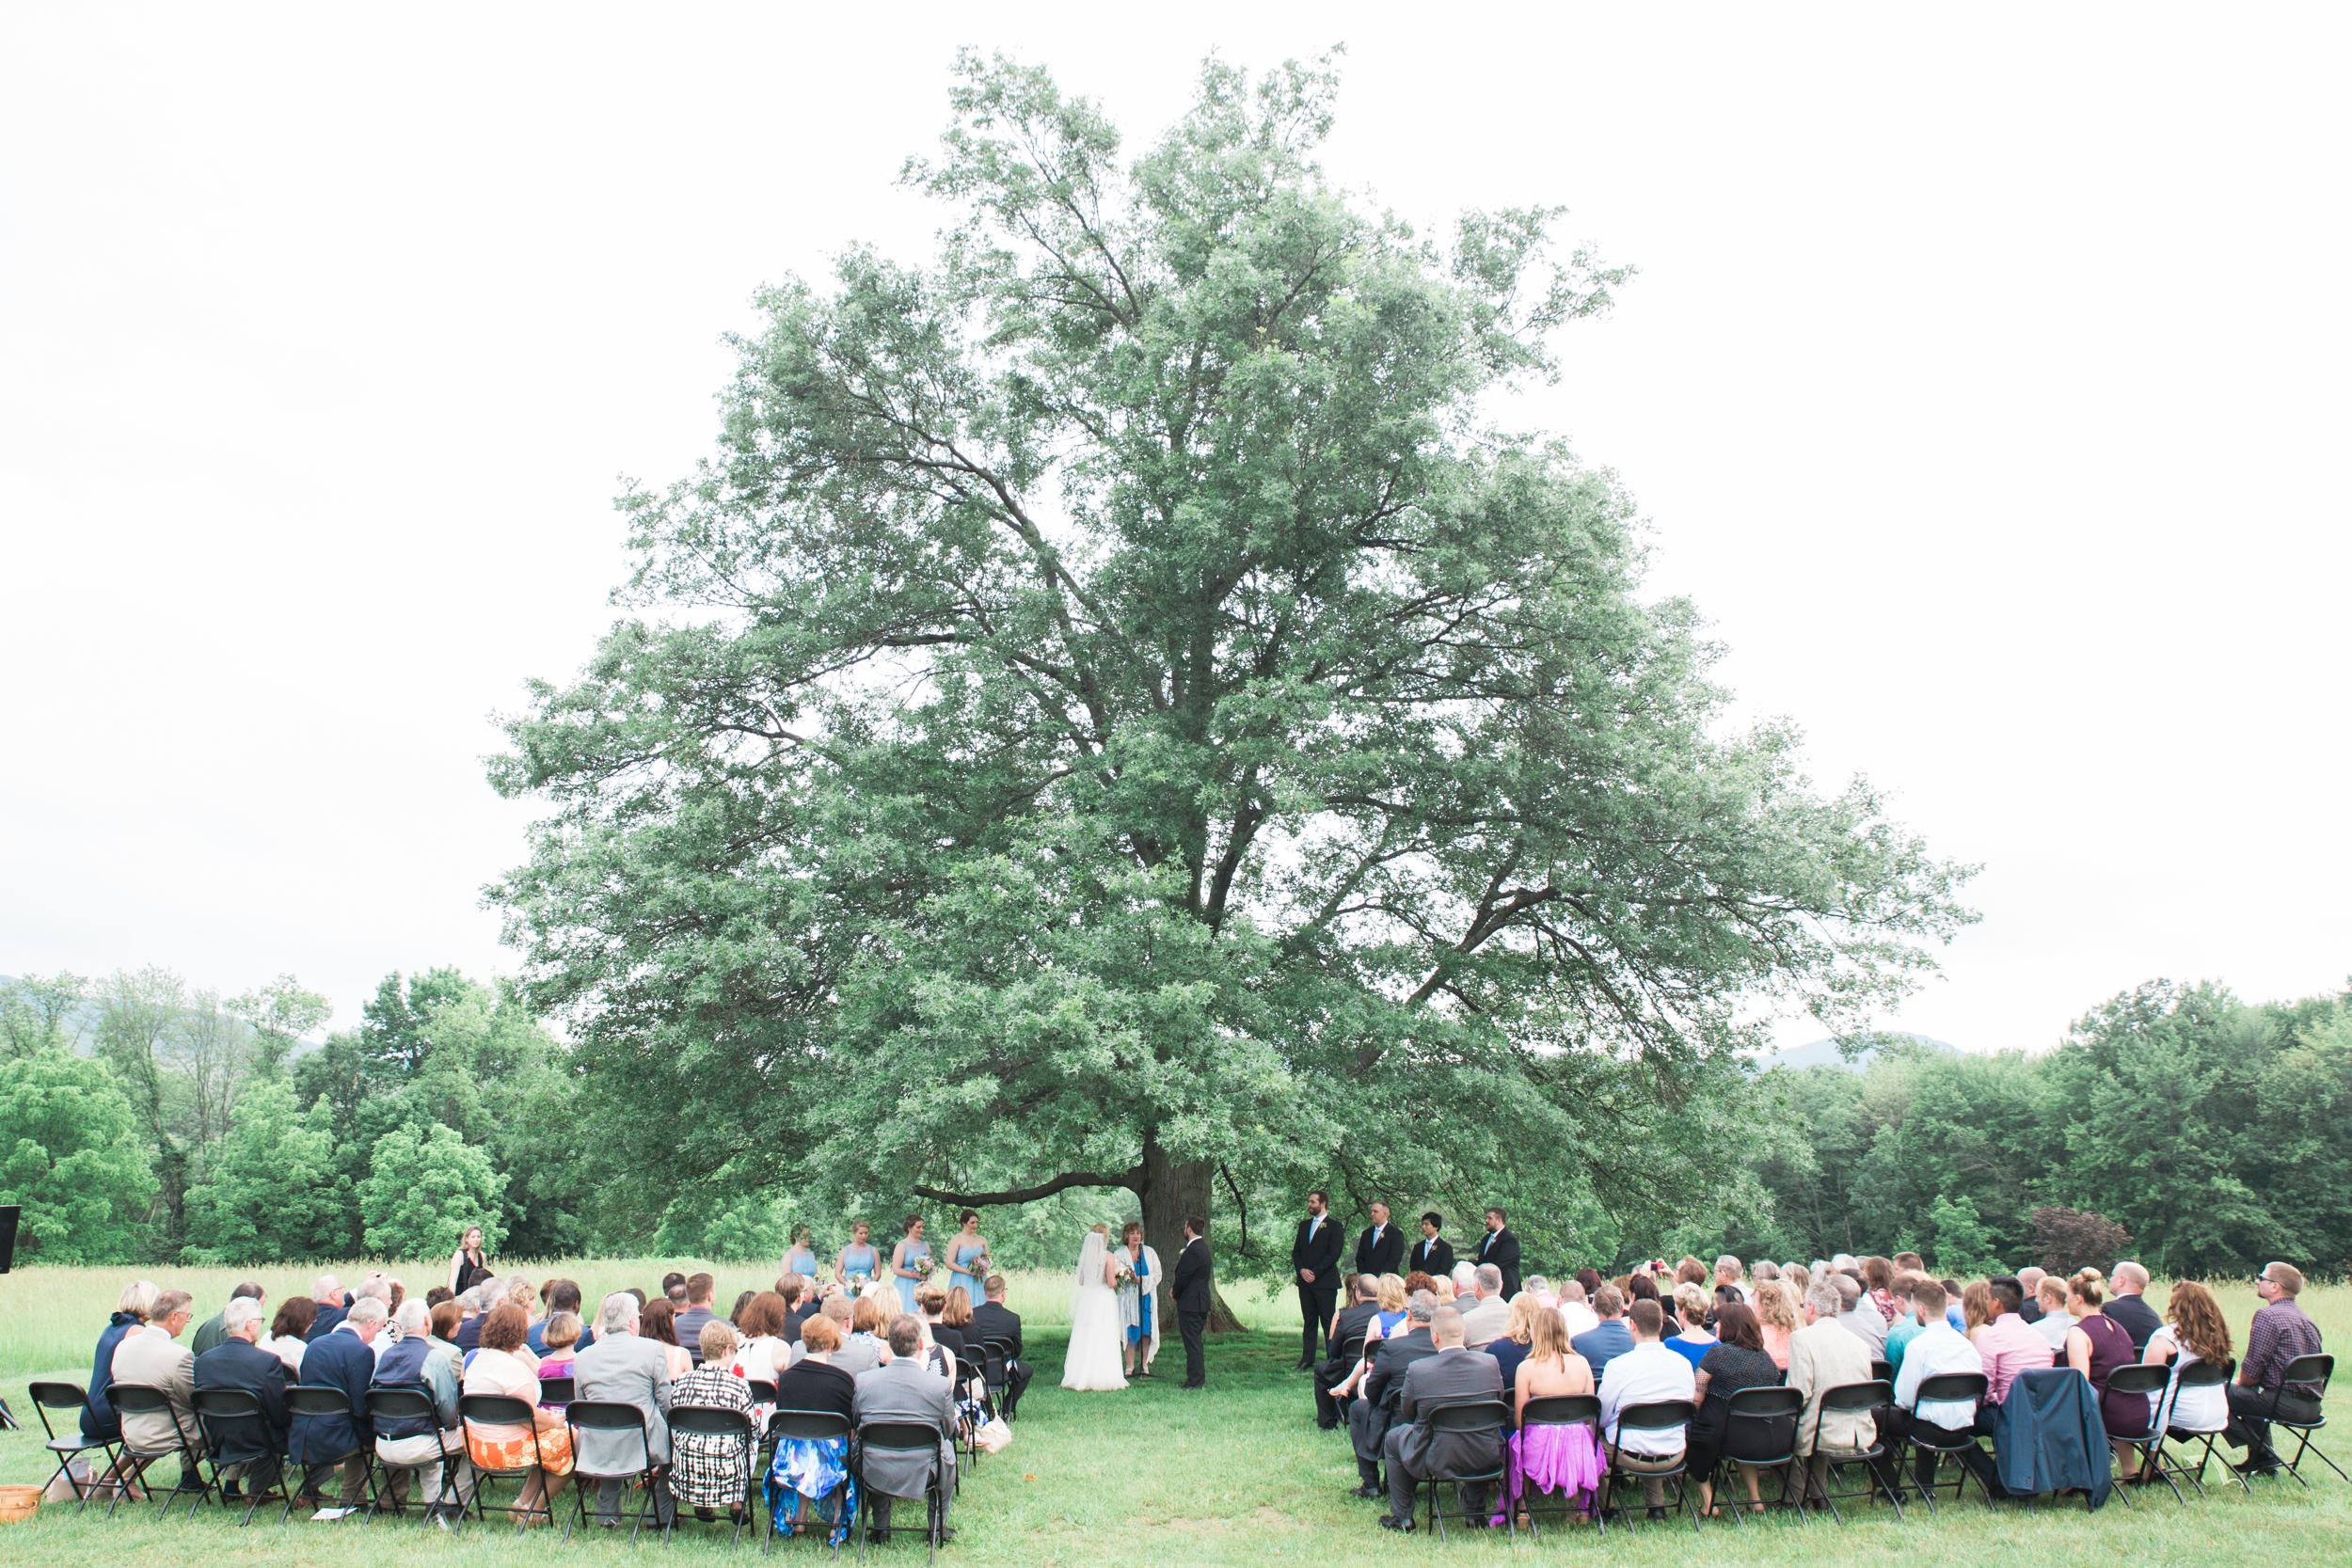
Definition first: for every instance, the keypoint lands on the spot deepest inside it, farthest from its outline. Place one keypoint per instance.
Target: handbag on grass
(993, 1435)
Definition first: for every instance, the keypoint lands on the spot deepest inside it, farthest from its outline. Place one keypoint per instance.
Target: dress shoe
(1390, 1521)
(1192, 1385)
(2254, 1465)
(1368, 1493)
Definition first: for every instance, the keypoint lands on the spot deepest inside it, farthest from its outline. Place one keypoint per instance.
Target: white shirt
(1644, 1376)
(2055, 1327)
(2190, 1409)
(1938, 1350)
(1579, 1317)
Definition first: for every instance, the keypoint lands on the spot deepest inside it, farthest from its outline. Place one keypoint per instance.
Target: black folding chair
(414, 1405)
(817, 1426)
(1952, 1388)
(1759, 1411)
(558, 1391)
(1345, 1354)
(1845, 1398)
(504, 1410)
(1558, 1410)
(2148, 1442)
(1472, 1418)
(763, 1393)
(900, 1437)
(602, 1415)
(995, 1373)
(710, 1420)
(1657, 1415)
(2307, 1369)
(70, 1396)
(318, 1398)
(2200, 1374)
(217, 1412)
(142, 1398)
(1883, 1372)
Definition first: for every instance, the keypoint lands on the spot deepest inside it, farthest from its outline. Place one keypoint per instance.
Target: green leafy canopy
(1113, 712)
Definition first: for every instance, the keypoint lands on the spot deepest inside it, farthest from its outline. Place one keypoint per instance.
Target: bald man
(2129, 1306)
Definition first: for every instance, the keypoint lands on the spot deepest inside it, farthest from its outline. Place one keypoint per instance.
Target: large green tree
(1113, 714)
(71, 1153)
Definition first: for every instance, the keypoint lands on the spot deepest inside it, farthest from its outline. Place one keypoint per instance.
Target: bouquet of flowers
(1124, 1275)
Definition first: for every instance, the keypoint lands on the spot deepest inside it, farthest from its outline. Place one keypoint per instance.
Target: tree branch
(1132, 1181)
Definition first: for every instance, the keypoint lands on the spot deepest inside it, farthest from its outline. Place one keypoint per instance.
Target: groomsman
(1192, 1292)
(1433, 1254)
(1315, 1262)
(1381, 1247)
(1500, 1248)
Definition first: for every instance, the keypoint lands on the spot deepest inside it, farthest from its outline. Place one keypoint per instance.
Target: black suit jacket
(1194, 1274)
(1434, 1258)
(1349, 1325)
(994, 1320)
(342, 1361)
(815, 1385)
(235, 1366)
(1381, 1257)
(2139, 1319)
(1320, 1254)
(1501, 1249)
(1385, 1383)
(324, 1324)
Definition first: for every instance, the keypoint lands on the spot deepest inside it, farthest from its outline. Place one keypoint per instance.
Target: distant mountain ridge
(1826, 1053)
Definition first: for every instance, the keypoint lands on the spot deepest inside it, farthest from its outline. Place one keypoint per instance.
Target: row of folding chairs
(1762, 1411)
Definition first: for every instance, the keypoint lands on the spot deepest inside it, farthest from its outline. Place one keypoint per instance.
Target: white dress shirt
(1579, 1317)
(1644, 1376)
(2055, 1327)
(1937, 1351)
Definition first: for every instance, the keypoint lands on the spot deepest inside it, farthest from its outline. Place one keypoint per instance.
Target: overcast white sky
(1984, 383)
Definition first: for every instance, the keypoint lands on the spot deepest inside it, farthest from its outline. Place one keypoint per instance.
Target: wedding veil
(1089, 1269)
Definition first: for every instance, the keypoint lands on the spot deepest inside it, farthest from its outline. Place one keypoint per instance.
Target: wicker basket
(18, 1503)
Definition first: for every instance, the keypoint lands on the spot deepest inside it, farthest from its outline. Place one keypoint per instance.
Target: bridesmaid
(859, 1257)
(968, 1259)
(911, 1261)
(800, 1257)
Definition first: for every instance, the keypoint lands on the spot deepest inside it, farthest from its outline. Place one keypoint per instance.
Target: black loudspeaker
(9, 1214)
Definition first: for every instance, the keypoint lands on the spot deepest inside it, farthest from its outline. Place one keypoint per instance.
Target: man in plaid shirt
(2280, 1333)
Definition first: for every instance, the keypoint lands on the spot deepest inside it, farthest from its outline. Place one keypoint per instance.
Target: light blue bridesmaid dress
(917, 1252)
(958, 1274)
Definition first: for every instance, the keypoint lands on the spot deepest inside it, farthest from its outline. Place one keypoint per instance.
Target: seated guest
(344, 1358)
(559, 1339)
(2008, 1344)
(743, 1299)
(1380, 1387)
(214, 1328)
(673, 1288)
(133, 1310)
(2281, 1332)
(2028, 1282)
(1549, 1458)
(2052, 1322)
(1727, 1275)
(1576, 1310)
(563, 1295)
(1778, 1315)
(708, 1469)
(1828, 1353)
(792, 1293)
(1691, 1308)
(993, 1319)
(1354, 1321)
(806, 1473)
(659, 1323)
(1937, 1349)
(545, 1447)
(2095, 1347)
(427, 1366)
(472, 1305)
(869, 1319)
(289, 1334)
(688, 1323)
(1388, 1306)
(1644, 1373)
(1978, 1309)
(1905, 1327)
(761, 1351)
(1491, 1315)
(1455, 1375)
(245, 1448)
(904, 1389)
(2127, 1304)
(149, 1355)
(625, 1368)
(2196, 1332)
(954, 1327)
(929, 1302)
(1878, 1282)
(1510, 1348)
(1608, 1337)
(1734, 1359)
(327, 1292)
(1861, 1319)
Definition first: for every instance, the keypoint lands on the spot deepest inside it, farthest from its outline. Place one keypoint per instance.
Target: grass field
(1237, 1474)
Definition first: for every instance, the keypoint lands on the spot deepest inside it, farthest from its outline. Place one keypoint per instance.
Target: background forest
(144, 1121)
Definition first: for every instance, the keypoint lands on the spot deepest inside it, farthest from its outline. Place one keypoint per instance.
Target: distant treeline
(143, 1121)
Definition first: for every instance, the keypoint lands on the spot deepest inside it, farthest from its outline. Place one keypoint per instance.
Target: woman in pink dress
(1548, 1458)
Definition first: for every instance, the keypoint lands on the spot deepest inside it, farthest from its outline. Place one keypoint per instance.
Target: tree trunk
(1171, 1190)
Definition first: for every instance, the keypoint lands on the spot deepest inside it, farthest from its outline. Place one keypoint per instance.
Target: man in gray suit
(1456, 1376)
(623, 1369)
(905, 1390)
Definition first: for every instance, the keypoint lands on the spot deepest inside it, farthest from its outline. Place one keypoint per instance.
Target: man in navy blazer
(329, 1293)
(245, 1448)
(343, 1359)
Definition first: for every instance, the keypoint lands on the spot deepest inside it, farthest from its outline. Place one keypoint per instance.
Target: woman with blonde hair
(1392, 1303)
(1692, 1305)
(1511, 1347)
(1548, 1457)
(1776, 1317)
(1977, 1308)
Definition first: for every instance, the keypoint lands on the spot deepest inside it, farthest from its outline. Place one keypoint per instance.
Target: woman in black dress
(1737, 1360)
(470, 1265)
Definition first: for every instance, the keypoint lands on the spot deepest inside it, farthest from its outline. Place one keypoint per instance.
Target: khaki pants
(423, 1453)
(1649, 1468)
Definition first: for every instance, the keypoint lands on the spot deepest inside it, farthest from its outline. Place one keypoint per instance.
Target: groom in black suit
(1316, 1264)
(1381, 1247)
(1194, 1293)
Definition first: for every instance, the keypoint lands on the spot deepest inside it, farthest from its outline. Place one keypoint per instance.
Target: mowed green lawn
(1236, 1475)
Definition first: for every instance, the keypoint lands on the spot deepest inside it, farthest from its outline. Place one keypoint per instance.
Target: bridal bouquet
(1126, 1275)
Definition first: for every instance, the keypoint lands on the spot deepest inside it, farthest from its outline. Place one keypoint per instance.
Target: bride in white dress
(1092, 1364)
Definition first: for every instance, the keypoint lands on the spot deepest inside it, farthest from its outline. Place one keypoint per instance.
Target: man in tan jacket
(1822, 1355)
(153, 1356)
